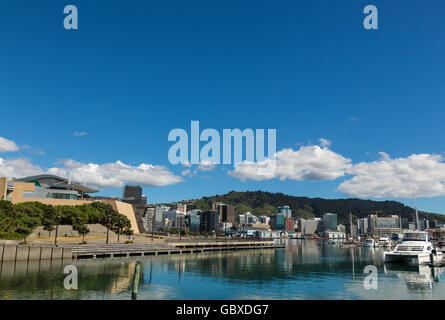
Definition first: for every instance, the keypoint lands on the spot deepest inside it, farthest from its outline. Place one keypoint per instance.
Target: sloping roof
(60, 183)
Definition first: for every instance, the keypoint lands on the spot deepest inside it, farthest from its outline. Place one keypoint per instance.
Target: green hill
(259, 203)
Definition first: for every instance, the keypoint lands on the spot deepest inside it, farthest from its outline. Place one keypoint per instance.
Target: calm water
(304, 270)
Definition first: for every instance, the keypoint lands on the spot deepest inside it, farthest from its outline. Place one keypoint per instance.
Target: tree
(24, 231)
(82, 229)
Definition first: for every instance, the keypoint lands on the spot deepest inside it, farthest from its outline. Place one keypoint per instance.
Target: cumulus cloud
(18, 168)
(116, 174)
(7, 145)
(202, 166)
(206, 166)
(324, 142)
(396, 178)
(306, 163)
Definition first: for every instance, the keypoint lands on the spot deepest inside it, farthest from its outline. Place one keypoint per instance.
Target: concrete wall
(127, 210)
(66, 230)
(3, 187)
(24, 253)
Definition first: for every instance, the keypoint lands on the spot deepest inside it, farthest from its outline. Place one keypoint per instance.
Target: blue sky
(134, 70)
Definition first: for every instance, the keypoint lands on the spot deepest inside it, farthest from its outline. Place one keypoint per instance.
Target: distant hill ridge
(264, 203)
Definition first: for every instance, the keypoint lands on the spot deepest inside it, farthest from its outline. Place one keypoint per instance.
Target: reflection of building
(57, 191)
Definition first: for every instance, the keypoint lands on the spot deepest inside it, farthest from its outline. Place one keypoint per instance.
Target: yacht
(385, 242)
(415, 248)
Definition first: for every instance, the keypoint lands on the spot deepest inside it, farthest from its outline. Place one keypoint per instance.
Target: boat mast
(350, 224)
(415, 207)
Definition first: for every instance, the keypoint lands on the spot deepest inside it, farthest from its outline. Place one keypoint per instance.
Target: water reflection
(305, 269)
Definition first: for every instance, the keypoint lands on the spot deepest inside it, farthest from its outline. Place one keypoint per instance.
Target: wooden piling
(137, 273)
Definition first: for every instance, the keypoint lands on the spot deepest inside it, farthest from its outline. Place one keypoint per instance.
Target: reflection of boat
(416, 277)
(415, 248)
(385, 242)
(370, 243)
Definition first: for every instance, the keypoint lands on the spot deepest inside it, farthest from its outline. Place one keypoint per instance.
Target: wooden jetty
(177, 247)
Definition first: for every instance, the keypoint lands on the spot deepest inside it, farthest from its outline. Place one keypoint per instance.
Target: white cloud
(7, 145)
(80, 133)
(206, 166)
(18, 168)
(115, 175)
(395, 178)
(324, 142)
(306, 163)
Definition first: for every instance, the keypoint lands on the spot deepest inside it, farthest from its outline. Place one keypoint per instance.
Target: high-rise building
(133, 195)
(285, 210)
(277, 221)
(289, 224)
(247, 218)
(149, 219)
(227, 213)
(309, 226)
(362, 226)
(383, 226)
(160, 215)
(265, 219)
(209, 221)
(193, 222)
(176, 217)
(330, 222)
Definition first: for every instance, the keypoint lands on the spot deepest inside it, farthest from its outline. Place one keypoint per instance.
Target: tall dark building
(133, 195)
(209, 221)
(227, 213)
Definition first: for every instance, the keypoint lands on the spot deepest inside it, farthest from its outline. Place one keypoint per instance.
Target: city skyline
(355, 117)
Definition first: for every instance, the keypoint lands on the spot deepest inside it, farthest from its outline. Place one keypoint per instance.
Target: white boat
(415, 248)
(385, 242)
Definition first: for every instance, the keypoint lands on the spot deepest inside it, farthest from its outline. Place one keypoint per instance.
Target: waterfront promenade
(10, 252)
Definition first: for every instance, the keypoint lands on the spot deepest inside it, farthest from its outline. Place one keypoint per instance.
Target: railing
(216, 240)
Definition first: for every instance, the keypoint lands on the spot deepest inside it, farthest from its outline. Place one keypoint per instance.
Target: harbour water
(306, 269)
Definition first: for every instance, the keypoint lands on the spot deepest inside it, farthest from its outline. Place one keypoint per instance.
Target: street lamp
(108, 225)
(153, 216)
(57, 225)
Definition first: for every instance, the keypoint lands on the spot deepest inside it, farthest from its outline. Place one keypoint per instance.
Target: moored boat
(415, 248)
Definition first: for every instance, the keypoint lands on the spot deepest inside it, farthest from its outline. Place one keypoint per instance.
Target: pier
(179, 247)
(72, 251)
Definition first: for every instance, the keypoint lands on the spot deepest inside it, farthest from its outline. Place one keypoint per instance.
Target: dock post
(137, 273)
